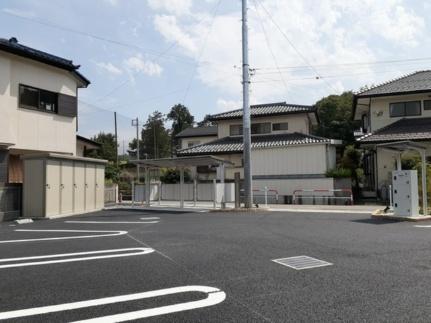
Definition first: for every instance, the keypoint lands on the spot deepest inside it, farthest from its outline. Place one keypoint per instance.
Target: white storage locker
(57, 184)
(79, 187)
(405, 192)
(90, 187)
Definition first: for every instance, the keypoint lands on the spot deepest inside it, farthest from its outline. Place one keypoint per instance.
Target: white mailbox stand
(405, 192)
(59, 185)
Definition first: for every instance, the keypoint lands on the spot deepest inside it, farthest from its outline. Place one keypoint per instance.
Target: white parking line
(114, 222)
(146, 221)
(422, 226)
(214, 296)
(105, 234)
(137, 252)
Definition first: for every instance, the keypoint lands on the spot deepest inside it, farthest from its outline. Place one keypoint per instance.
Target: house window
(280, 126)
(33, 98)
(427, 104)
(193, 143)
(365, 123)
(260, 128)
(405, 109)
(235, 130)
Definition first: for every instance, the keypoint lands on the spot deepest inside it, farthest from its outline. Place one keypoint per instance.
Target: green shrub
(339, 173)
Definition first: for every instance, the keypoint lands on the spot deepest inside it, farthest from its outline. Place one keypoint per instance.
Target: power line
(201, 51)
(294, 47)
(269, 46)
(97, 37)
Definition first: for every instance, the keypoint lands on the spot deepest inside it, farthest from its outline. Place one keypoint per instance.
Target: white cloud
(326, 32)
(109, 67)
(178, 7)
(137, 64)
(226, 105)
(112, 2)
(168, 27)
(19, 12)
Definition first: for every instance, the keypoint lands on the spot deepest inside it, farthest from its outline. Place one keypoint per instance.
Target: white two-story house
(38, 105)
(285, 156)
(398, 110)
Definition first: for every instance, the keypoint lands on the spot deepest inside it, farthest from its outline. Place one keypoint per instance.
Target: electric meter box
(405, 192)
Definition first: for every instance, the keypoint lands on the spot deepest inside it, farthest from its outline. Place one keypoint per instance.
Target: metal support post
(160, 193)
(237, 190)
(424, 184)
(214, 193)
(147, 186)
(399, 162)
(133, 193)
(181, 187)
(266, 195)
(195, 192)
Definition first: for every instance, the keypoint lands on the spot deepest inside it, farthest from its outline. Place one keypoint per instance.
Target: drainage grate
(301, 262)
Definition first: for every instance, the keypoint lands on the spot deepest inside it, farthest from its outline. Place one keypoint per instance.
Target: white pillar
(160, 192)
(222, 178)
(195, 191)
(181, 187)
(424, 184)
(215, 192)
(399, 161)
(147, 186)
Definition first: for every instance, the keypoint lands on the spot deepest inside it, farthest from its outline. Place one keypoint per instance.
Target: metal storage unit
(57, 185)
(405, 192)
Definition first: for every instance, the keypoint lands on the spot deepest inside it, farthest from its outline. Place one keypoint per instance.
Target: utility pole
(135, 123)
(248, 191)
(116, 137)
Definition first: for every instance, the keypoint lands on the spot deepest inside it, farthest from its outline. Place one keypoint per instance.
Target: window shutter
(67, 105)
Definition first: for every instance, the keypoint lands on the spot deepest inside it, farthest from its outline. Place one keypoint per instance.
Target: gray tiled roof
(414, 82)
(404, 129)
(198, 132)
(235, 145)
(265, 110)
(12, 46)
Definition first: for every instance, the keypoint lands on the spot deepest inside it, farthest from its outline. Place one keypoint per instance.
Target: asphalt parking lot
(123, 265)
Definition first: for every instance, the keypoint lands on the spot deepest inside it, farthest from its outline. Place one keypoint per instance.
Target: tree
(206, 122)
(181, 119)
(352, 160)
(155, 139)
(335, 114)
(107, 151)
(109, 148)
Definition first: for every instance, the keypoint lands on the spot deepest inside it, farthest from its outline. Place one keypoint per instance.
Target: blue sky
(146, 55)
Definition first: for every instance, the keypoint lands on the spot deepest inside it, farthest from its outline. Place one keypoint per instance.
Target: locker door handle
(86, 185)
(62, 186)
(75, 186)
(48, 186)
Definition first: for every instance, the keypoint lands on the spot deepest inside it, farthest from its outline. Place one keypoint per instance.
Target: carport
(180, 163)
(399, 148)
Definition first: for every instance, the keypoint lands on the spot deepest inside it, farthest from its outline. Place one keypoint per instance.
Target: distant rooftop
(269, 109)
(13, 47)
(234, 144)
(415, 129)
(415, 82)
(198, 132)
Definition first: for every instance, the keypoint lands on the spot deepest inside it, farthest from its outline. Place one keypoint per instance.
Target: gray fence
(10, 201)
(111, 194)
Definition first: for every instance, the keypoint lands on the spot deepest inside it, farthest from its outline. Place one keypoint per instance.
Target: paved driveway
(214, 267)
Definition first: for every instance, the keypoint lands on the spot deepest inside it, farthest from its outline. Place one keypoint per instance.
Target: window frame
(280, 123)
(39, 108)
(404, 114)
(429, 109)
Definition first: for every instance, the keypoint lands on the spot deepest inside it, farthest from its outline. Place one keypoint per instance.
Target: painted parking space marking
(146, 220)
(422, 226)
(103, 234)
(213, 296)
(83, 256)
(113, 222)
(302, 262)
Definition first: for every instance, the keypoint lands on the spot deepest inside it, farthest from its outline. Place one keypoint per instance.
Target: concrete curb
(378, 215)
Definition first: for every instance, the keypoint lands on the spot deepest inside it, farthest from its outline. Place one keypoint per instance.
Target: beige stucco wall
(297, 123)
(202, 140)
(380, 109)
(28, 129)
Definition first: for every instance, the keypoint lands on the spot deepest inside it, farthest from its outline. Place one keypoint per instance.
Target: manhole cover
(302, 262)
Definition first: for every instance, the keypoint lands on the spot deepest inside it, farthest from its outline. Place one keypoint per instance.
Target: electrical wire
(295, 48)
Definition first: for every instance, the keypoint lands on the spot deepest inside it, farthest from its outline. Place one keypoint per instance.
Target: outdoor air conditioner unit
(405, 192)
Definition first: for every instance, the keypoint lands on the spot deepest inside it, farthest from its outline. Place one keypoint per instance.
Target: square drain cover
(301, 262)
